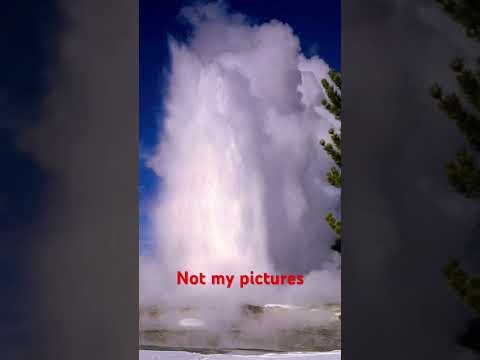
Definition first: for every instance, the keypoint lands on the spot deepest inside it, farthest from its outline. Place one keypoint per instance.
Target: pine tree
(333, 104)
(463, 171)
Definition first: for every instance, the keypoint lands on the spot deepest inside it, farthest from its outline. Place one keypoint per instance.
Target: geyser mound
(263, 328)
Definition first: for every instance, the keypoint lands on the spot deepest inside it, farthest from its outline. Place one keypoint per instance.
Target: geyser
(243, 175)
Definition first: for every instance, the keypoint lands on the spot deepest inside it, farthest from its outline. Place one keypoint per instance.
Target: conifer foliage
(463, 171)
(333, 103)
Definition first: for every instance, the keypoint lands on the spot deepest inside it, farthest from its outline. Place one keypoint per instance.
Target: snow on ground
(183, 355)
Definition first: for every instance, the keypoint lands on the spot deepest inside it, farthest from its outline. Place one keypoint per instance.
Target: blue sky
(316, 23)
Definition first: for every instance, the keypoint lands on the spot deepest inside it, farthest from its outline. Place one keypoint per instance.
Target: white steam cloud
(243, 174)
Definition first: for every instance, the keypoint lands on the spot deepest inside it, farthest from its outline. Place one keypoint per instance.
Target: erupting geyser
(243, 175)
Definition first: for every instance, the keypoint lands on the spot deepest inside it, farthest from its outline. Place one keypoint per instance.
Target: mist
(243, 185)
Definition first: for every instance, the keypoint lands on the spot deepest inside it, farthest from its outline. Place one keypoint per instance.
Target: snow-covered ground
(183, 355)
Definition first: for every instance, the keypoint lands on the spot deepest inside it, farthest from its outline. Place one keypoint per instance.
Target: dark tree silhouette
(463, 171)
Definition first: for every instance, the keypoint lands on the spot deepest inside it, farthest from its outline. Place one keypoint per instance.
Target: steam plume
(243, 175)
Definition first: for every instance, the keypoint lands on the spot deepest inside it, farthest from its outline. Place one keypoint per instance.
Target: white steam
(243, 174)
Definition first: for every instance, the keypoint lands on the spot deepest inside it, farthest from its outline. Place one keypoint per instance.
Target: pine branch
(468, 82)
(336, 139)
(333, 152)
(334, 177)
(336, 78)
(334, 224)
(465, 285)
(334, 102)
(464, 175)
(452, 106)
(465, 13)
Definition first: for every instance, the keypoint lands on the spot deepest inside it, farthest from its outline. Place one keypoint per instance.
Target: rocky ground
(259, 328)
